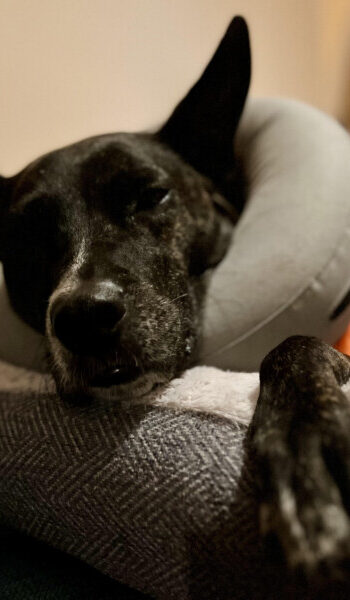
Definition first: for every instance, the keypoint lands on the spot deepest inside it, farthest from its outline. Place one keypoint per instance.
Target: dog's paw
(304, 513)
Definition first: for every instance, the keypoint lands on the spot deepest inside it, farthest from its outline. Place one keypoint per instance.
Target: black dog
(105, 243)
(106, 246)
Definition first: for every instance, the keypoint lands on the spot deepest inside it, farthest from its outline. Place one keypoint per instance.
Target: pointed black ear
(3, 203)
(4, 184)
(3, 193)
(202, 126)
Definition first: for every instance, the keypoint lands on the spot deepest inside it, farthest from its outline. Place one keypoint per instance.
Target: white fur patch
(70, 278)
(64, 288)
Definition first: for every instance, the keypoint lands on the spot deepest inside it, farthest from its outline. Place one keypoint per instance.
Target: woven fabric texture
(159, 499)
(30, 570)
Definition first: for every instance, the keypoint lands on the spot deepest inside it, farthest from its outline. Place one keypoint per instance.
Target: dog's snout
(87, 320)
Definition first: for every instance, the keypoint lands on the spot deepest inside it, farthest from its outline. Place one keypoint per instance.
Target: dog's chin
(110, 379)
(143, 384)
(77, 379)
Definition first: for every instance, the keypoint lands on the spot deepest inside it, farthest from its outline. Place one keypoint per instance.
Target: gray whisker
(178, 297)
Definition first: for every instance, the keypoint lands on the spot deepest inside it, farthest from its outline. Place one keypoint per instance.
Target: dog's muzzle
(88, 322)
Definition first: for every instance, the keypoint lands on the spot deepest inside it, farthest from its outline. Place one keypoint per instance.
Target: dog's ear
(202, 126)
(4, 193)
(3, 188)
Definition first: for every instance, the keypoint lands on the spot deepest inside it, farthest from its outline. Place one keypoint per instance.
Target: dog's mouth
(122, 374)
(76, 374)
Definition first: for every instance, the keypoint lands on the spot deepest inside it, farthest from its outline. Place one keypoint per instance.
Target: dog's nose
(87, 321)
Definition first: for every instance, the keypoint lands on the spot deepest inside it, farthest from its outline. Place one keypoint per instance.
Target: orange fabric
(344, 343)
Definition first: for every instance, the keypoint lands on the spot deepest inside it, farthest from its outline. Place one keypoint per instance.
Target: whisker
(178, 297)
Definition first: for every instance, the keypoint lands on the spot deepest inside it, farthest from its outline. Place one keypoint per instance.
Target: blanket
(160, 498)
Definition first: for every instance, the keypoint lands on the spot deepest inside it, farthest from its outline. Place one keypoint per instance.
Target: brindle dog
(106, 245)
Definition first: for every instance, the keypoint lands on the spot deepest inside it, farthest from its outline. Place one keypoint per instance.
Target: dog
(106, 243)
(107, 246)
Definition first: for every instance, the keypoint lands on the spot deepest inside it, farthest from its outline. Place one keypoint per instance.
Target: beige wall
(72, 68)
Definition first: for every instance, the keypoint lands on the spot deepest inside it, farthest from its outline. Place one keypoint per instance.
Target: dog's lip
(121, 374)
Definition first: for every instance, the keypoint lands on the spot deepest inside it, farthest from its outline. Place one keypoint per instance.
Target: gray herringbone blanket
(160, 499)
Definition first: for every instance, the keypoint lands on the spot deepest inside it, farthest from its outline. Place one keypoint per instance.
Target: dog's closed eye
(124, 197)
(152, 197)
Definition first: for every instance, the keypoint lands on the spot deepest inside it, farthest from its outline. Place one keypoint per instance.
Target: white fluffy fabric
(210, 390)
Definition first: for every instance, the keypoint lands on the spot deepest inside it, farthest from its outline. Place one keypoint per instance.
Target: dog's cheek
(163, 330)
(158, 334)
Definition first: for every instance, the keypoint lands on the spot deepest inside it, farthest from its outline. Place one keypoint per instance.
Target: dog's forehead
(124, 157)
(94, 161)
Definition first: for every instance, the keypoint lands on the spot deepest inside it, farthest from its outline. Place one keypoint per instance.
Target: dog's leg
(301, 436)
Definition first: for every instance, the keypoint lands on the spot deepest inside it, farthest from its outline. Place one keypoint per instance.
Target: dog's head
(105, 243)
